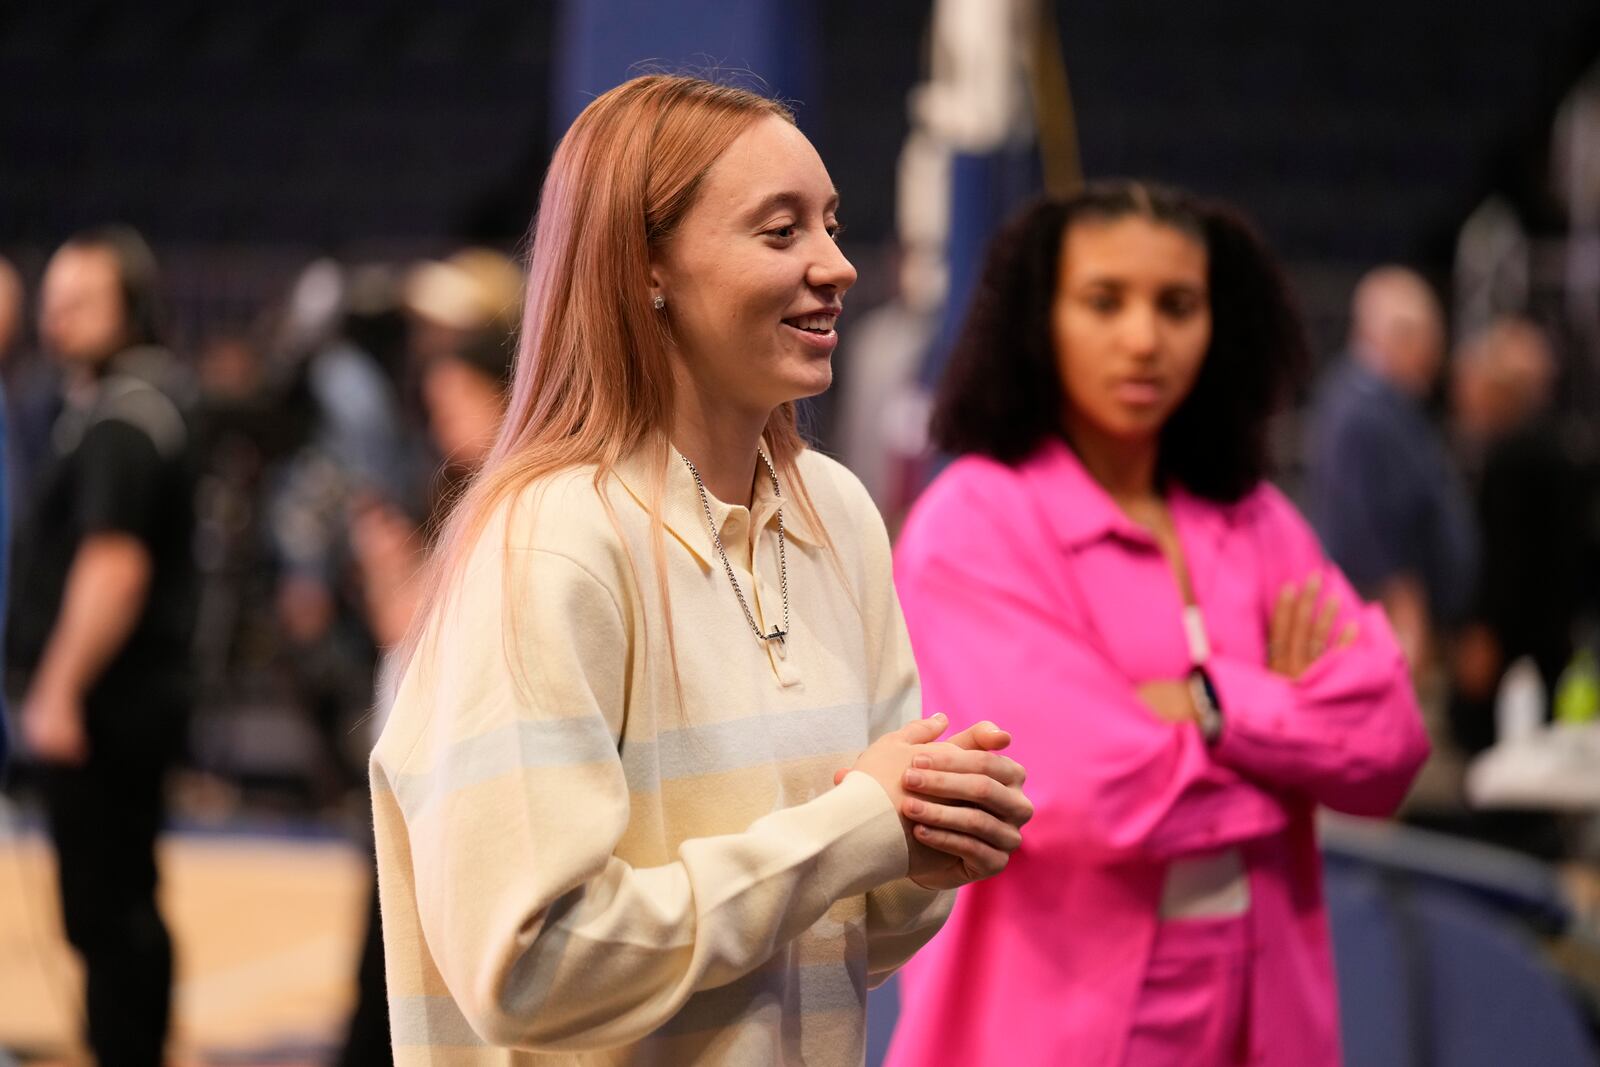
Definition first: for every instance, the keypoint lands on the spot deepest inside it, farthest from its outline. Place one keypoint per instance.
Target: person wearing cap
(461, 315)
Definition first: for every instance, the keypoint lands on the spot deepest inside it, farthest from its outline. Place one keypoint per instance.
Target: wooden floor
(266, 932)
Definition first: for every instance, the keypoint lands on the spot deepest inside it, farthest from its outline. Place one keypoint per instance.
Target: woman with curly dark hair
(1188, 677)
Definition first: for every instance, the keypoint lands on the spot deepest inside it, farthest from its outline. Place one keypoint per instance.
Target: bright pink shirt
(1034, 601)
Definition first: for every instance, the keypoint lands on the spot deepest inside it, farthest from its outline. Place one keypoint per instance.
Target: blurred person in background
(1106, 565)
(32, 388)
(1382, 490)
(11, 312)
(344, 336)
(1533, 509)
(462, 314)
(463, 320)
(12, 301)
(101, 620)
(243, 431)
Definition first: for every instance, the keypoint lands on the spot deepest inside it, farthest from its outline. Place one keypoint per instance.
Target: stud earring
(659, 302)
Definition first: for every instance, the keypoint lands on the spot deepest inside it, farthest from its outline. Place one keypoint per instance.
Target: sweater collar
(682, 511)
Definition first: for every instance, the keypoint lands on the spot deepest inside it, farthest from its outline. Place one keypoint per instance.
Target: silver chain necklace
(783, 564)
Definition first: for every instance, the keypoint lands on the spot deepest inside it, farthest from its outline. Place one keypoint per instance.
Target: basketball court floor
(267, 927)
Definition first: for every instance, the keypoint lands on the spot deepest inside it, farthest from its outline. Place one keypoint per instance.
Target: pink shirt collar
(1080, 512)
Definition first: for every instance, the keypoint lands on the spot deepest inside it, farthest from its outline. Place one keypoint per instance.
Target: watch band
(1206, 704)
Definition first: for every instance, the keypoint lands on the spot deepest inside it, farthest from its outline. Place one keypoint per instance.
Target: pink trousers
(1194, 1008)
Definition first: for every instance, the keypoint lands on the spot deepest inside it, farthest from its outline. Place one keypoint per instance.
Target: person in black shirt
(1533, 510)
(101, 622)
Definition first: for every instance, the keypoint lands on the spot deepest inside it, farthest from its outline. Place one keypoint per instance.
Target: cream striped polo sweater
(575, 870)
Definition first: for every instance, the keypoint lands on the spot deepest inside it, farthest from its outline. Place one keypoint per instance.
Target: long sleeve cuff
(861, 841)
(1348, 736)
(901, 918)
(1255, 705)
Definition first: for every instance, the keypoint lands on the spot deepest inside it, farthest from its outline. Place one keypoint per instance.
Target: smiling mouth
(820, 325)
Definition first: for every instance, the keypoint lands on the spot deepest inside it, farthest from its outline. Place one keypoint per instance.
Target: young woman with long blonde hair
(610, 819)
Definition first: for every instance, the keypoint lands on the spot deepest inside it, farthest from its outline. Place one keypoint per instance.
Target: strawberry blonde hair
(593, 380)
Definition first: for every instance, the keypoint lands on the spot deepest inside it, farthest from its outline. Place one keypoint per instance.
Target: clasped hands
(961, 804)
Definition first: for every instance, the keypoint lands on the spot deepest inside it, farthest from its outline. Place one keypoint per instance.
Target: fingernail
(916, 807)
(938, 716)
(923, 831)
(922, 761)
(913, 778)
